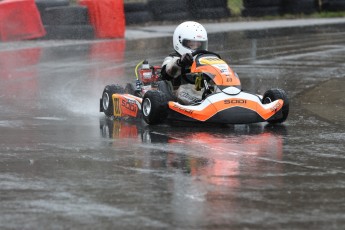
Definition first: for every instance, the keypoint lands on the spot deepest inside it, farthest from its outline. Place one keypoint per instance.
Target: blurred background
(139, 11)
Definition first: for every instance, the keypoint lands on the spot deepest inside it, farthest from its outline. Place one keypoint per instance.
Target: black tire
(333, 5)
(261, 3)
(299, 6)
(164, 87)
(135, 7)
(66, 15)
(161, 7)
(138, 17)
(275, 94)
(107, 105)
(211, 13)
(262, 11)
(154, 107)
(70, 32)
(203, 4)
(43, 4)
(179, 16)
(130, 89)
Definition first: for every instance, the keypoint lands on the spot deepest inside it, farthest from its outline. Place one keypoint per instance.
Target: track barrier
(19, 20)
(107, 17)
(89, 19)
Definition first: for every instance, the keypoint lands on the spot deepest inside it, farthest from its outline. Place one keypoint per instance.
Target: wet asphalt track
(63, 166)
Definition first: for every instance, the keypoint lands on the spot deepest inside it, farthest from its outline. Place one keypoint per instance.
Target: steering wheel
(197, 52)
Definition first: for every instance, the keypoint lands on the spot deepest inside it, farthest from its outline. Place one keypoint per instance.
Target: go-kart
(222, 101)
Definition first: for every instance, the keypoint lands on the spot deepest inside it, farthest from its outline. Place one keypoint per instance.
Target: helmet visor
(194, 44)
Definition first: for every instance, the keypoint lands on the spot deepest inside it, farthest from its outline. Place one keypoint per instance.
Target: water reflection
(18, 76)
(213, 154)
(205, 173)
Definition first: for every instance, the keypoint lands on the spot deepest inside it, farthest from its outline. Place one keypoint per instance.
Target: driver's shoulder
(172, 57)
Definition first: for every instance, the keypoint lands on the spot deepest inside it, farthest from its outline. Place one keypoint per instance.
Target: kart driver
(188, 37)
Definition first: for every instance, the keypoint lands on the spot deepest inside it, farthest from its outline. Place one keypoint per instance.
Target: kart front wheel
(154, 107)
(106, 102)
(167, 89)
(275, 94)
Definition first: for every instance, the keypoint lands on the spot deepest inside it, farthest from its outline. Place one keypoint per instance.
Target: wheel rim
(147, 107)
(267, 100)
(105, 101)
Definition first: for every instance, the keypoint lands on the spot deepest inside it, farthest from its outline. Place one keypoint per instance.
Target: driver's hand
(186, 60)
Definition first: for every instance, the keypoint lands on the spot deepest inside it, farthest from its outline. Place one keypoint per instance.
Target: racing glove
(186, 60)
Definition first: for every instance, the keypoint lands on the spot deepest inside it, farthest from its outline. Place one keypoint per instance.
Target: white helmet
(190, 36)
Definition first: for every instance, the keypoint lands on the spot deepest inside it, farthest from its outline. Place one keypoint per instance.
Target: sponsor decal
(125, 107)
(188, 97)
(235, 101)
(211, 61)
(222, 67)
(183, 109)
(228, 78)
(117, 109)
(129, 104)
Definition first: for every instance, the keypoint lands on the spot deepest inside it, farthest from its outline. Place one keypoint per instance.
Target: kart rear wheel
(275, 94)
(154, 107)
(130, 89)
(107, 105)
